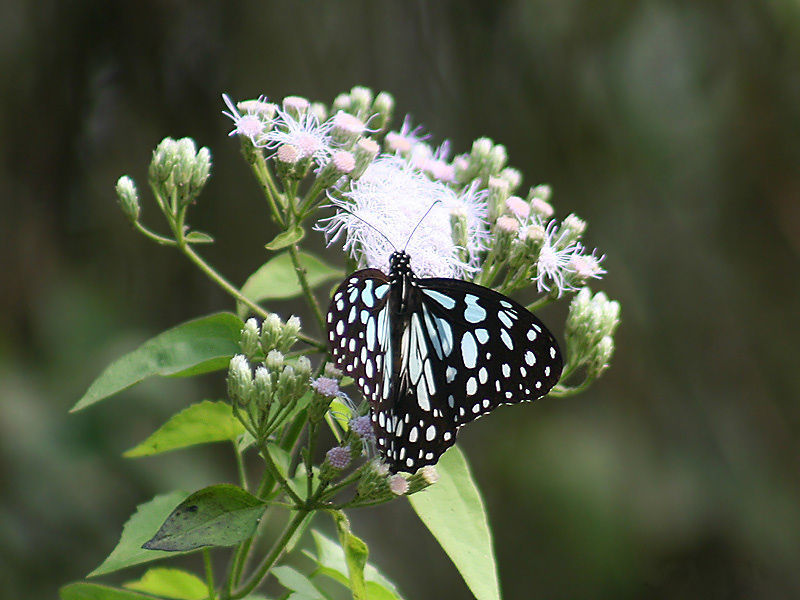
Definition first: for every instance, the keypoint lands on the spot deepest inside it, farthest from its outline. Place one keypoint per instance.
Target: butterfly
(432, 354)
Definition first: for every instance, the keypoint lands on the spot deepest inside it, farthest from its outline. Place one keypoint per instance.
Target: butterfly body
(432, 354)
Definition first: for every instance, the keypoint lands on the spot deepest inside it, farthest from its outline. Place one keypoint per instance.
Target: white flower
(252, 121)
(555, 261)
(388, 202)
(305, 133)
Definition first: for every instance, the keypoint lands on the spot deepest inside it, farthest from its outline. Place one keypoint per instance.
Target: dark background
(672, 127)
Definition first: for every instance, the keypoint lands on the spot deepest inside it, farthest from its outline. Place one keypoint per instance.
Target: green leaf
(140, 528)
(170, 583)
(198, 346)
(276, 279)
(219, 515)
(355, 555)
(94, 591)
(200, 423)
(341, 413)
(294, 580)
(331, 560)
(286, 238)
(453, 511)
(198, 237)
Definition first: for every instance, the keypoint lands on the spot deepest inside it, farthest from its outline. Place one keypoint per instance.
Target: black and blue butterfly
(432, 354)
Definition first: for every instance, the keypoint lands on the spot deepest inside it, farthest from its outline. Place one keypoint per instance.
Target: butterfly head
(399, 264)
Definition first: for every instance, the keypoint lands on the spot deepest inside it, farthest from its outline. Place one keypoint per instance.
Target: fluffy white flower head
(387, 203)
(305, 133)
(555, 261)
(248, 123)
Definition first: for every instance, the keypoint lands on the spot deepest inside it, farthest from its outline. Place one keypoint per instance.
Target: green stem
(212, 274)
(158, 239)
(541, 302)
(352, 477)
(264, 177)
(562, 391)
(240, 466)
(272, 556)
(276, 474)
(301, 277)
(209, 573)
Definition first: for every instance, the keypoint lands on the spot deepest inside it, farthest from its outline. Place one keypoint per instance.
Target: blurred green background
(673, 127)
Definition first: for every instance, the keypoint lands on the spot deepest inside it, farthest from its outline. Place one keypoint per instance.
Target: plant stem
(157, 238)
(212, 274)
(272, 556)
(240, 466)
(301, 277)
(209, 573)
(541, 302)
(276, 474)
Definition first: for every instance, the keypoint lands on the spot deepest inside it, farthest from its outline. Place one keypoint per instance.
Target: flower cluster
(261, 381)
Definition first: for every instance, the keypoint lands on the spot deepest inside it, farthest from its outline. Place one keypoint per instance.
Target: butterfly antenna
(350, 212)
(413, 231)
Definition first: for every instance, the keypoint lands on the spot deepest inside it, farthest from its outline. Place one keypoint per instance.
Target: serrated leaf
(140, 528)
(453, 511)
(200, 423)
(94, 591)
(276, 279)
(219, 515)
(197, 346)
(331, 560)
(294, 580)
(199, 237)
(170, 583)
(286, 238)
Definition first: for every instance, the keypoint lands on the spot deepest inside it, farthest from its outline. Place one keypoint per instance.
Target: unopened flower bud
(533, 234)
(366, 150)
(498, 192)
(361, 98)
(541, 208)
(296, 106)
(586, 267)
(542, 191)
(458, 227)
(332, 372)
(601, 357)
(507, 225)
(518, 207)
(303, 367)
(571, 230)
(288, 162)
(398, 484)
(342, 102)
(513, 177)
(240, 380)
(463, 169)
(424, 477)
(382, 111)
(249, 341)
(271, 330)
(128, 198)
(481, 148)
(288, 335)
(265, 111)
(263, 387)
(274, 360)
(346, 128)
(340, 164)
(202, 170)
(319, 111)
(286, 384)
(497, 159)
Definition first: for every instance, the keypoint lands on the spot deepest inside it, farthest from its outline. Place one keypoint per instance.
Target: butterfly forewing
(357, 319)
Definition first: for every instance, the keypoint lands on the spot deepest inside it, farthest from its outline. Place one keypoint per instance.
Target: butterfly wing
(357, 321)
(494, 350)
(463, 351)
